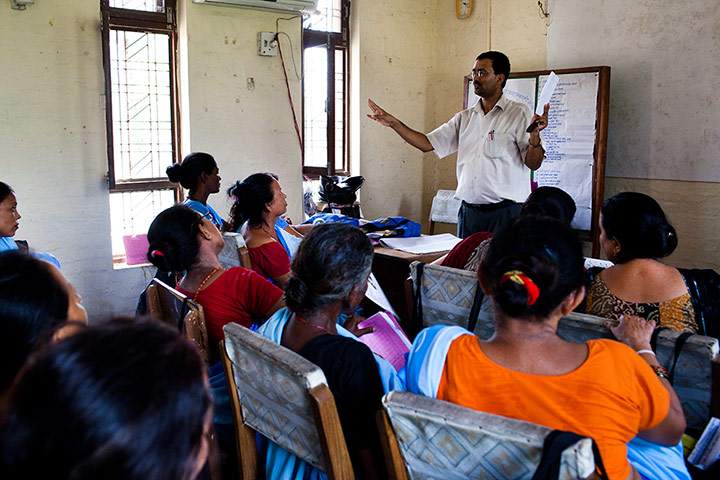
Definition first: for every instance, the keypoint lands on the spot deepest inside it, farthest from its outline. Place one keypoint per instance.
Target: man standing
(495, 152)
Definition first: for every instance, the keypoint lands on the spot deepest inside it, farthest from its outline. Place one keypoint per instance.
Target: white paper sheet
(422, 245)
(375, 293)
(546, 93)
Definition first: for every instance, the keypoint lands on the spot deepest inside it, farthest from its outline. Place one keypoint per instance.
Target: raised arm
(413, 137)
(536, 152)
(636, 332)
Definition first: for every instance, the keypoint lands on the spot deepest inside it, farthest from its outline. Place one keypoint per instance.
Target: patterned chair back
(235, 252)
(447, 296)
(277, 392)
(441, 440)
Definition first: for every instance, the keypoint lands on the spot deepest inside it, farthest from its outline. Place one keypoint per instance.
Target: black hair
(32, 302)
(500, 63)
(250, 197)
(5, 191)
(188, 172)
(122, 400)
(547, 251)
(173, 239)
(550, 202)
(638, 222)
(332, 260)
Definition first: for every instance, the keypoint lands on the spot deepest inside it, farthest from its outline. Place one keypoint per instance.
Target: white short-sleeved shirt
(491, 150)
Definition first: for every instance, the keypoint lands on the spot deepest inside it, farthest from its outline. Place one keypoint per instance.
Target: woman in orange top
(602, 388)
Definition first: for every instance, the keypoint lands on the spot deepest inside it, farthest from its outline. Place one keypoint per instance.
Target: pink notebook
(388, 340)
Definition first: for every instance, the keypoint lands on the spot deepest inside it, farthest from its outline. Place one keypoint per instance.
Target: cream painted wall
(246, 130)
(643, 42)
(393, 60)
(52, 132)
(52, 127)
(410, 57)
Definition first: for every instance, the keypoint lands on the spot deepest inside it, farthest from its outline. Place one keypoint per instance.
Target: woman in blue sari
(199, 174)
(329, 278)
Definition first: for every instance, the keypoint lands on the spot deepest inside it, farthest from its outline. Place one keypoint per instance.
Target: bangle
(640, 352)
(535, 146)
(660, 371)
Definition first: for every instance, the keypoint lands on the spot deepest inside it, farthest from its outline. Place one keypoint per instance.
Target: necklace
(302, 320)
(202, 284)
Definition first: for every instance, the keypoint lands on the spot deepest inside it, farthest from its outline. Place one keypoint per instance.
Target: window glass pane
(141, 103)
(144, 5)
(315, 104)
(328, 19)
(131, 213)
(339, 110)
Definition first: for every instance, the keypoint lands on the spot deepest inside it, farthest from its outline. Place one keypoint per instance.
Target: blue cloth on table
(331, 218)
(204, 209)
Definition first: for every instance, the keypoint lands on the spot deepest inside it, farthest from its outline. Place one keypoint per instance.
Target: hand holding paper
(543, 103)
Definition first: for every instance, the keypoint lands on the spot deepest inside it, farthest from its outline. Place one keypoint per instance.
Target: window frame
(335, 41)
(114, 18)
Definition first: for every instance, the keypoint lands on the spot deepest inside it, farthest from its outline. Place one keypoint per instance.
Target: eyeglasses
(480, 73)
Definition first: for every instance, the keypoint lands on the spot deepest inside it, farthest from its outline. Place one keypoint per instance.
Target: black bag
(340, 190)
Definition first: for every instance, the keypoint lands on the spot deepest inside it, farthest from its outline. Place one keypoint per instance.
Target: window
(139, 40)
(325, 89)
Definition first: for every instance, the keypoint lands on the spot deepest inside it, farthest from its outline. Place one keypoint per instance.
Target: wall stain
(51, 22)
(81, 24)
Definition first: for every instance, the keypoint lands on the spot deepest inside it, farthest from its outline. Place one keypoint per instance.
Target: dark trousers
(485, 218)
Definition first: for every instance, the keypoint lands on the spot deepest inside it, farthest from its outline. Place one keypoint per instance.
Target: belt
(489, 207)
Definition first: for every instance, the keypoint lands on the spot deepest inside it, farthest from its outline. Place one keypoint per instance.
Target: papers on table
(422, 245)
(375, 294)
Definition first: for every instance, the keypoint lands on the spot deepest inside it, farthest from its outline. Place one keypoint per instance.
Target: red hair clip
(521, 279)
(157, 253)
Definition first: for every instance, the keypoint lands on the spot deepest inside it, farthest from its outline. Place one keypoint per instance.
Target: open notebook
(388, 340)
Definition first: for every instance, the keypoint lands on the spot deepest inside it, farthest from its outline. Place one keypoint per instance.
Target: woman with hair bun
(183, 240)
(329, 278)
(634, 233)
(602, 389)
(259, 204)
(199, 174)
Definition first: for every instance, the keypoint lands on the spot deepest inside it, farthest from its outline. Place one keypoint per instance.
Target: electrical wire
(292, 106)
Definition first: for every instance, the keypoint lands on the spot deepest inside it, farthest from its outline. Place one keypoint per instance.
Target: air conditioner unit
(303, 7)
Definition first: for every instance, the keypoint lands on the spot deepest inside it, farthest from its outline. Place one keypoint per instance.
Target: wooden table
(392, 268)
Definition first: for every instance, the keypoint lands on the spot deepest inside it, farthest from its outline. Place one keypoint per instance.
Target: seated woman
(183, 240)
(634, 233)
(329, 277)
(543, 201)
(9, 224)
(35, 300)
(199, 174)
(602, 389)
(257, 211)
(120, 400)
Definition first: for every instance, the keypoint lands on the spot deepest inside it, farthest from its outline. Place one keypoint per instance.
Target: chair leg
(393, 458)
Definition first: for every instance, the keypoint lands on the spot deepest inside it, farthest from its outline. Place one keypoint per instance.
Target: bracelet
(535, 146)
(640, 352)
(660, 371)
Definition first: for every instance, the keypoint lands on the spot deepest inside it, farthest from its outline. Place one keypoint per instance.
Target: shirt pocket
(499, 146)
